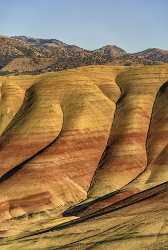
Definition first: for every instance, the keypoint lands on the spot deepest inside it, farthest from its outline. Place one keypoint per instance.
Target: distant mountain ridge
(21, 54)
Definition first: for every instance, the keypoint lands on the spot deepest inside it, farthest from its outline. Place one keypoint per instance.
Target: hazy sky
(131, 24)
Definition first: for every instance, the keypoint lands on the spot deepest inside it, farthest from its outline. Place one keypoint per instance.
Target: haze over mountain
(20, 54)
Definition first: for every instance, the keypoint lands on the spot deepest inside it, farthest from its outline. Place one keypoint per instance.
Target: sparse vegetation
(22, 55)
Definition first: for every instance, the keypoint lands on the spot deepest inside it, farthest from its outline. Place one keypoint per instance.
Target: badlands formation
(84, 159)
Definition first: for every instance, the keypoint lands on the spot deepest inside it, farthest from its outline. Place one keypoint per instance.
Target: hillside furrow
(83, 159)
(29, 132)
(137, 178)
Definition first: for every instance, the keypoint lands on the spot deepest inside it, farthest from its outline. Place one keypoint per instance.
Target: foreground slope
(83, 158)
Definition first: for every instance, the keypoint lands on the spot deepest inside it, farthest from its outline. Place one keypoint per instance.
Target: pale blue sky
(131, 24)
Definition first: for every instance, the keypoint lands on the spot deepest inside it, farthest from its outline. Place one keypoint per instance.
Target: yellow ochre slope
(80, 150)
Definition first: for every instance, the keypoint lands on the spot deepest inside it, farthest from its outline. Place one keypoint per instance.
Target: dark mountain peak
(110, 46)
(39, 41)
(111, 51)
(152, 51)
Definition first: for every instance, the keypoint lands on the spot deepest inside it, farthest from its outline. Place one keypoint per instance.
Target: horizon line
(75, 44)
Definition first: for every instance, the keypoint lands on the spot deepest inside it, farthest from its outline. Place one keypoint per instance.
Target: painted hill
(20, 54)
(83, 159)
